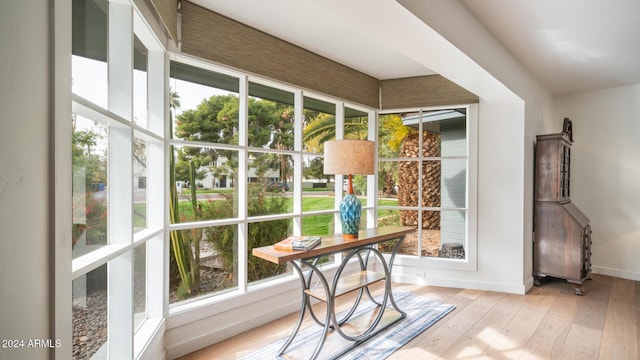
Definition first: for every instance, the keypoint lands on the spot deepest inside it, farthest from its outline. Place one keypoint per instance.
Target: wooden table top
(333, 244)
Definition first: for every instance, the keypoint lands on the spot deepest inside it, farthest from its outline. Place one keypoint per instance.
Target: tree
(323, 128)
(174, 100)
(185, 244)
(315, 169)
(260, 233)
(392, 134)
(85, 159)
(216, 120)
(89, 170)
(318, 130)
(206, 123)
(271, 125)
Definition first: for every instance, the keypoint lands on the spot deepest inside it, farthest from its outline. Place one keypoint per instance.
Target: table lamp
(349, 157)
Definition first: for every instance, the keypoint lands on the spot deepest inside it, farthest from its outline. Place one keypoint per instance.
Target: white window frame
(179, 310)
(470, 262)
(123, 340)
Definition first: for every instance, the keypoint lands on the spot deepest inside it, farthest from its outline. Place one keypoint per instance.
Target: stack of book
(298, 243)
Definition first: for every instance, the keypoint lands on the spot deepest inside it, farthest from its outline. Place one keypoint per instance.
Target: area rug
(421, 314)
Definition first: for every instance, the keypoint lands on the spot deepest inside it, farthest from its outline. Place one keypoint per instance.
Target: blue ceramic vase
(350, 209)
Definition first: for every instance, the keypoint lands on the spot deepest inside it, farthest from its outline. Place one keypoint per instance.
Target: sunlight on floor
(412, 353)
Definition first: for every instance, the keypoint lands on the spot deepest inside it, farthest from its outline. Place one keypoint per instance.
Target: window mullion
(472, 186)
(420, 178)
(298, 120)
(120, 183)
(242, 182)
(157, 91)
(339, 178)
(372, 180)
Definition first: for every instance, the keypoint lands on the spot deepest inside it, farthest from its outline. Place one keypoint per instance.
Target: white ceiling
(569, 46)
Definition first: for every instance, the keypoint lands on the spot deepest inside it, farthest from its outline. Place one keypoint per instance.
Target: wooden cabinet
(553, 161)
(562, 234)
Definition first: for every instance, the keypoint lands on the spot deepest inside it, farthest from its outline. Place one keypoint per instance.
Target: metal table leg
(331, 322)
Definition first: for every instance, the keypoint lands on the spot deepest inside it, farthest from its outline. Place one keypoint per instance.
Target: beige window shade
(225, 41)
(168, 12)
(432, 90)
(212, 36)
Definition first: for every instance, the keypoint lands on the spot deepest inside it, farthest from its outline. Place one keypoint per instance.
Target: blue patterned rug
(421, 313)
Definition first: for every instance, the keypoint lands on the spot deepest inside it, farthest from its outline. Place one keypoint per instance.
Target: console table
(305, 263)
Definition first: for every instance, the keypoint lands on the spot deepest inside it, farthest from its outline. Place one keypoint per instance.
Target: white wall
(514, 107)
(605, 173)
(500, 209)
(25, 239)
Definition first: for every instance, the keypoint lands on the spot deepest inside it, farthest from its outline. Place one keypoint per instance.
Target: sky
(89, 80)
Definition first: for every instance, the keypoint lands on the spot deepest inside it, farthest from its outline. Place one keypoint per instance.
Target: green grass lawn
(207, 191)
(312, 225)
(317, 225)
(139, 215)
(316, 203)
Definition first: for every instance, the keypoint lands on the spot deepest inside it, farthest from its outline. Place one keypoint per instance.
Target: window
(247, 172)
(319, 126)
(270, 133)
(423, 180)
(245, 160)
(205, 162)
(117, 160)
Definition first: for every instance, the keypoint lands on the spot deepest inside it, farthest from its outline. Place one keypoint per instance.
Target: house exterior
(512, 108)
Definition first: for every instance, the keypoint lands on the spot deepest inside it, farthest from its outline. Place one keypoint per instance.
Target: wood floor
(550, 322)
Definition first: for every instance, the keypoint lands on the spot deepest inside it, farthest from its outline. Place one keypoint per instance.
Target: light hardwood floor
(549, 322)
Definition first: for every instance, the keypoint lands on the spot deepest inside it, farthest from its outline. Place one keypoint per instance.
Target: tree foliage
(85, 159)
(322, 128)
(315, 170)
(318, 130)
(89, 168)
(216, 120)
(391, 135)
(224, 239)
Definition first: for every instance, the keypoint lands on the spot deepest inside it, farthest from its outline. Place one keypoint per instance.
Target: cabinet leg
(579, 290)
(536, 281)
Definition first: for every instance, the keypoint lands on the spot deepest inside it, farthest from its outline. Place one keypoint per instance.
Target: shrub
(224, 239)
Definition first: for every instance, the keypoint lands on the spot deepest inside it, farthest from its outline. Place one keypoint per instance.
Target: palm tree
(323, 128)
(174, 101)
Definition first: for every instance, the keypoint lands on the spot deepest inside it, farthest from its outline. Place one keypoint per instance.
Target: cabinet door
(553, 168)
(550, 242)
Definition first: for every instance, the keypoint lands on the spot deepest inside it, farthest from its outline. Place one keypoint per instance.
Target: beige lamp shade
(349, 157)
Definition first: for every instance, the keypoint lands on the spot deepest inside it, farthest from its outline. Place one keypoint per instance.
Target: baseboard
(528, 284)
(619, 273)
(520, 289)
(208, 335)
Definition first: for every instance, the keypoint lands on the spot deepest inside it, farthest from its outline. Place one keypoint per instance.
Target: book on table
(298, 243)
